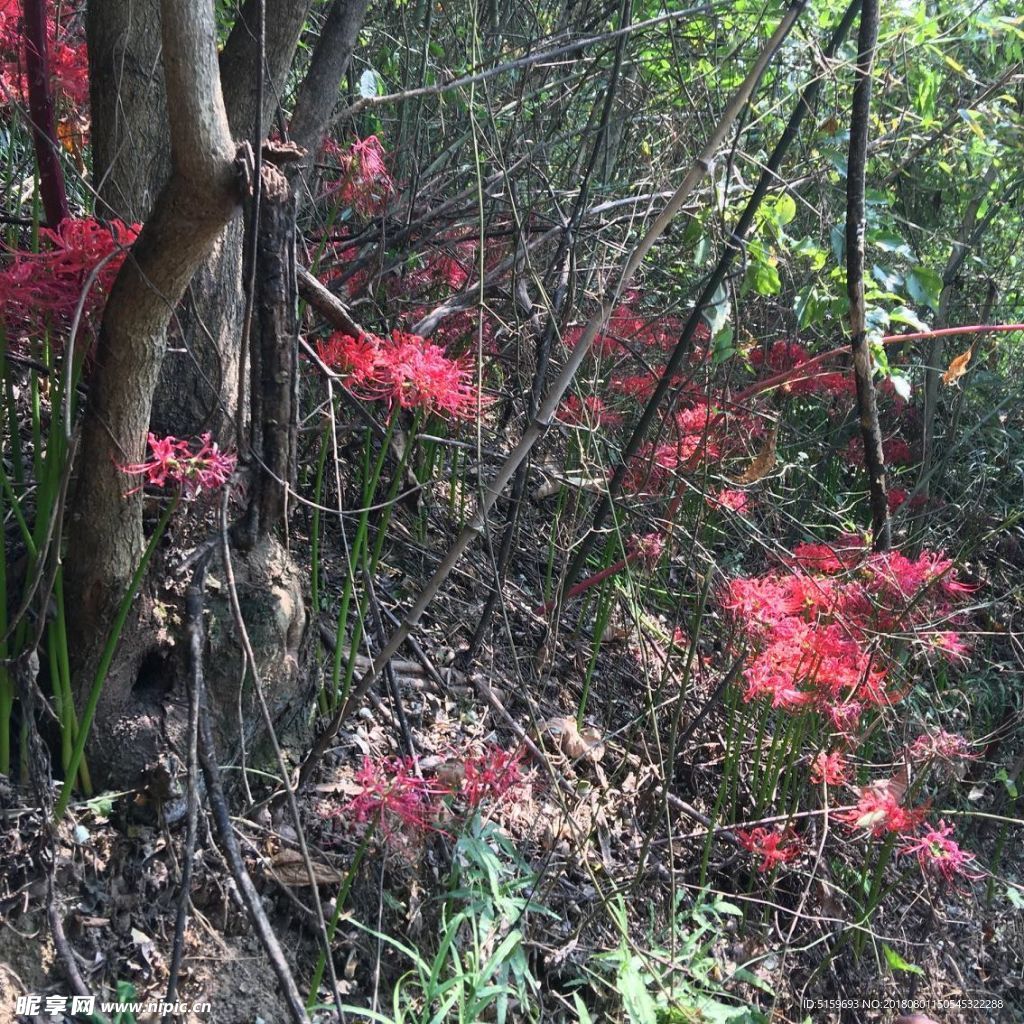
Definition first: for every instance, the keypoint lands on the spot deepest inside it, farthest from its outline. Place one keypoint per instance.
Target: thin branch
(863, 369)
(40, 102)
(522, 62)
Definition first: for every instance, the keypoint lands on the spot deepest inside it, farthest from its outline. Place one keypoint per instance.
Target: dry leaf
(958, 367)
(763, 463)
(290, 869)
(571, 741)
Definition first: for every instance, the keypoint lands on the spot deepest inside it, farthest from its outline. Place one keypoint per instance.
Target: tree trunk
(105, 530)
(131, 159)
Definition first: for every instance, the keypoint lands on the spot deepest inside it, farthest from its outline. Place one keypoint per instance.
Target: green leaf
(890, 280)
(1014, 895)
(762, 277)
(717, 312)
(722, 348)
(582, 1013)
(369, 84)
(897, 963)
(1008, 783)
(925, 287)
(888, 241)
(903, 315)
(636, 1000)
(837, 236)
(783, 210)
(901, 385)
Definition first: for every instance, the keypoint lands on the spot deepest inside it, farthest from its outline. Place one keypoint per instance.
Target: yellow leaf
(763, 463)
(958, 367)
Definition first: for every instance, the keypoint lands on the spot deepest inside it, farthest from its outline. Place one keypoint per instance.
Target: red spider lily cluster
(589, 411)
(40, 289)
(897, 452)
(830, 768)
(941, 856)
(403, 370)
(395, 796)
(814, 629)
(647, 550)
(69, 60)
(366, 184)
(944, 747)
(731, 499)
(880, 811)
(490, 775)
(773, 846)
(173, 462)
(629, 330)
(446, 267)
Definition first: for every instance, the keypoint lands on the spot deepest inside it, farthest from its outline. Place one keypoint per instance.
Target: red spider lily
(491, 775)
(826, 558)
(404, 370)
(418, 374)
(879, 811)
(773, 847)
(366, 185)
(36, 287)
(940, 745)
(394, 797)
(172, 461)
(829, 768)
(951, 645)
(733, 500)
(844, 716)
(939, 855)
(590, 411)
(647, 550)
(357, 358)
(896, 451)
(68, 60)
(782, 355)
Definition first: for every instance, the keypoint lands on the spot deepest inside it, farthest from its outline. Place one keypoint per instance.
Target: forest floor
(607, 865)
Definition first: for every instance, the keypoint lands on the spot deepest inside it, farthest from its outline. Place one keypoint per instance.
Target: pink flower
(45, 287)
(735, 501)
(939, 855)
(404, 370)
(394, 796)
(490, 775)
(366, 184)
(829, 768)
(940, 745)
(647, 549)
(879, 811)
(172, 461)
(895, 497)
(590, 411)
(951, 645)
(773, 847)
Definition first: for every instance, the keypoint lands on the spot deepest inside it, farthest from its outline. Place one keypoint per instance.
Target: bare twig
(863, 370)
(194, 633)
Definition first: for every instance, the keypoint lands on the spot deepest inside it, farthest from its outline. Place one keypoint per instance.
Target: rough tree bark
(131, 160)
(863, 371)
(197, 386)
(318, 94)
